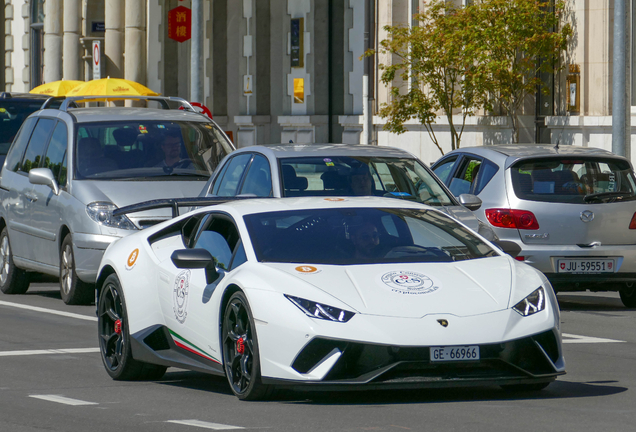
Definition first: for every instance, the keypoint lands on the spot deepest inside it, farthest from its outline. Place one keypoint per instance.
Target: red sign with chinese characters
(180, 24)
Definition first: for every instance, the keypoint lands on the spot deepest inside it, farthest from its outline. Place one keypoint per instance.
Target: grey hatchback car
(338, 170)
(571, 210)
(68, 169)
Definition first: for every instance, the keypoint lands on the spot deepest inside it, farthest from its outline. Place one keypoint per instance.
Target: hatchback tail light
(632, 224)
(510, 218)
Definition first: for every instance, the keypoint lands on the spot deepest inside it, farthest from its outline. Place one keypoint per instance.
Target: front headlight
(321, 311)
(102, 213)
(533, 303)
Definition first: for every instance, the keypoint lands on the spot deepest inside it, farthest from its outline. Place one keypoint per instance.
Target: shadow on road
(556, 390)
(559, 389)
(591, 303)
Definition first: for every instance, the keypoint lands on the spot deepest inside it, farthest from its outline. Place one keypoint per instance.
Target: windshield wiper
(606, 196)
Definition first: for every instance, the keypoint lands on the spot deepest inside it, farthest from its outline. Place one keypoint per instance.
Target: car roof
(508, 154)
(106, 114)
(263, 205)
(25, 96)
(326, 149)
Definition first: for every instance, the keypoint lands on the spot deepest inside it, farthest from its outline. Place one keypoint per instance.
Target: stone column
(53, 14)
(71, 40)
(114, 38)
(135, 41)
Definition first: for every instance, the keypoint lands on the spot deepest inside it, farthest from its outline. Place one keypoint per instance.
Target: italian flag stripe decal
(186, 345)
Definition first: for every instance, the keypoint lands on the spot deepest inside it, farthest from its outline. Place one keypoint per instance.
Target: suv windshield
(362, 236)
(12, 115)
(573, 180)
(403, 178)
(146, 150)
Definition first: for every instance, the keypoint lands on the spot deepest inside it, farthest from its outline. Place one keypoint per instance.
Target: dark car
(14, 109)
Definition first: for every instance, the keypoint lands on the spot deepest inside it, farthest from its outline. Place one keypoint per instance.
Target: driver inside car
(171, 147)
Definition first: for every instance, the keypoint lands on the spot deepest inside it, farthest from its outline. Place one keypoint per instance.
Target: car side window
(220, 237)
(465, 176)
(35, 148)
(444, 170)
(486, 173)
(258, 180)
(228, 185)
(56, 152)
(17, 149)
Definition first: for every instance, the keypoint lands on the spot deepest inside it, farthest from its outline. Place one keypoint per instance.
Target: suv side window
(35, 149)
(221, 238)
(17, 149)
(258, 180)
(465, 176)
(56, 153)
(228, 185)
(444, 170)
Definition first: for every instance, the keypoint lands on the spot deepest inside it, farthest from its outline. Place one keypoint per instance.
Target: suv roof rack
(70, 102)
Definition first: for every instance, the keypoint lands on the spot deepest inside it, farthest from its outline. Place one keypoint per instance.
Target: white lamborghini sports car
(324, 293)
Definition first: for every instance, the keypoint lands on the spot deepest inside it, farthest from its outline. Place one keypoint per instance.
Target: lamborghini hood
(413, 290)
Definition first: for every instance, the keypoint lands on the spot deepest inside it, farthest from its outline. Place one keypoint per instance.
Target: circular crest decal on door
(180, 293)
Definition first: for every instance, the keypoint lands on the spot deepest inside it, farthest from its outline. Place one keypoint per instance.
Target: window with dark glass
(56, 152)
(35, 149)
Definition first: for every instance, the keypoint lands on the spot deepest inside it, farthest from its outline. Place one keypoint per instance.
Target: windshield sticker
(335, 199)
(409, 283)
(328, 162)
(143, 129)
(161, 127)
(132, 259)
(180, 293)
(307, 269)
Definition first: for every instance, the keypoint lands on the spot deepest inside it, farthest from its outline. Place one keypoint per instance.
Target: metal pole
(621, 104)
(196, 42)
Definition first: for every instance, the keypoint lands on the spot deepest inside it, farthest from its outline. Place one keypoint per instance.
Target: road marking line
(50, 311)
(49, 351)
(63, 400)
(202, 424)
(587, 339)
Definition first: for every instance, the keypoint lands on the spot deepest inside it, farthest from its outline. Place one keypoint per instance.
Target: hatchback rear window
(573, 180)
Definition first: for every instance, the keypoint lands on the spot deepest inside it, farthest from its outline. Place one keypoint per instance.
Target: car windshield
(148, 150)
(12, 115)
(404, 178)
(362, 236)
(573, 180)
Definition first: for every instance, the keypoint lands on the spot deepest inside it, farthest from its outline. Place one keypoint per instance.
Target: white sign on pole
(97, 61)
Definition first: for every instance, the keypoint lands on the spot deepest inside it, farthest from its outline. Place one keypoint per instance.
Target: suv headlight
(320, 311)
(533, 303)
(102, 213)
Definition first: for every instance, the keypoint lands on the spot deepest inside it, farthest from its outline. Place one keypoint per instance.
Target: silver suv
(69, 168)
(569, 209)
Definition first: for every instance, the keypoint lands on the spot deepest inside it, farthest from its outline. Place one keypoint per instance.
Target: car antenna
(556, 146)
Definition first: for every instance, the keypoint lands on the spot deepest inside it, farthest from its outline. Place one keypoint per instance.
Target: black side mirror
(509, 247)
(196, 259)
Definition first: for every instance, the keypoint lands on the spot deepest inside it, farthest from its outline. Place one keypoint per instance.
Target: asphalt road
(52, 379)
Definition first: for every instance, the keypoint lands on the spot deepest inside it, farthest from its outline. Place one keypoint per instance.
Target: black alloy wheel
(114, 337)
(240, 351)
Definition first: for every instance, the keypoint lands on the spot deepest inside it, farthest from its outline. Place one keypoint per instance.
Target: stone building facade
(290, 70)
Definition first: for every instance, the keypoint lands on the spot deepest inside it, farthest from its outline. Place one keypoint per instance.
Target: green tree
(458, 60)
(521, 38)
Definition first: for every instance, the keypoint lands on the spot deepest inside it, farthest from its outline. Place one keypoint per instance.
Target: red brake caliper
(118, 326)
(240, 346)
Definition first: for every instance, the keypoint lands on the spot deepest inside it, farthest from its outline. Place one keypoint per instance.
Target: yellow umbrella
(56, 88)
(111, 87)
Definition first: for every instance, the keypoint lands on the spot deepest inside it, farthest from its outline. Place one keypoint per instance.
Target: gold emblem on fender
(443, 322)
